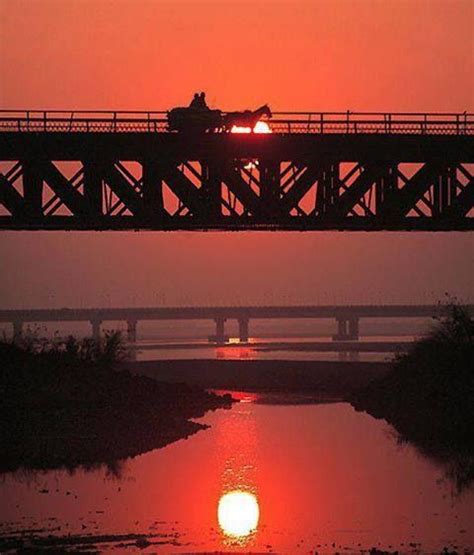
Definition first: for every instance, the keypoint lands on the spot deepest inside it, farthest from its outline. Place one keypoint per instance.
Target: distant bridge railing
(102, 121)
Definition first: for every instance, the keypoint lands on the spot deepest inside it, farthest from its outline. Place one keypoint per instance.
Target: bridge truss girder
(224, 191)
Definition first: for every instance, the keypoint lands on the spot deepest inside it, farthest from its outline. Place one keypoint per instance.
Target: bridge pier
(33, 188)
(220, 330)
(17, 330)
(211, 188)
(93, 186)
(347, 329)
(220, 336)
(270, 185)
(132, 331)
(153, 189)
(341, 329)
(243, 330)
(96, 329)
(354, 329)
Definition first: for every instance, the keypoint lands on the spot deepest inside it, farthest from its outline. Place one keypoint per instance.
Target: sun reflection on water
(237, 506)
(238, 514)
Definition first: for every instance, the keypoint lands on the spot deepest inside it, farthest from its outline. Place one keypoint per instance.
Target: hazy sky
(295, 55)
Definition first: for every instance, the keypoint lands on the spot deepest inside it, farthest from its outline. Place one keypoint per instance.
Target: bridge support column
(33, 188)
(93, 186)
(220, 331)
(328, 188)
(211, 188)
(153, 189)
(347, 329)
(342, 329)
(354, 329)
(17, 330)
(132, 331)
(385, 186)
(444, 191)
(270, 185)
(96, 329)
(243, 330)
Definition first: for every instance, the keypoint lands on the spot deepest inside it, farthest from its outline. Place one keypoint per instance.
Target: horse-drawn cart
(201, 119)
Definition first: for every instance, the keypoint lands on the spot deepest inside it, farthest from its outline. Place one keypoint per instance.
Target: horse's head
(265, 109)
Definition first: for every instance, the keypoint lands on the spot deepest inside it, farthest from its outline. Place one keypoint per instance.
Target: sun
(260, 127)
(238, 513)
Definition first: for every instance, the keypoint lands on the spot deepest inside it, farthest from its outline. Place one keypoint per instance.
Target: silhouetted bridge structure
(347, 317)
(315, 171)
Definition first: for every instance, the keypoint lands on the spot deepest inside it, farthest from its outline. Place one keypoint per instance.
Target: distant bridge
(347, 316)
(315, 171)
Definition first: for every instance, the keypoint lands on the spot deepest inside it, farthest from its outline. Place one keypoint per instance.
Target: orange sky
(295, 55)
(320, 55)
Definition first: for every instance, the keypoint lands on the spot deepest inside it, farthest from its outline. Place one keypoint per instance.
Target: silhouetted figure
(197, 117)
(195, 102)
(202, 101)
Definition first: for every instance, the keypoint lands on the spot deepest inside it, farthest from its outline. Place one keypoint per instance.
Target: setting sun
(238, 513)
(260, 127)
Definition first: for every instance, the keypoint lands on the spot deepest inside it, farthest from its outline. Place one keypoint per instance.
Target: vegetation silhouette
(428, 395)
(66, 403)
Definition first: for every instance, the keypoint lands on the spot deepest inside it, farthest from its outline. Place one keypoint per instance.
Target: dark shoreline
(324, 379)
(428, 396)
(60, 412)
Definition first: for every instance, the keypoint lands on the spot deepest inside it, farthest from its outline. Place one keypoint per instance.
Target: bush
(109, 350)
(428, 395)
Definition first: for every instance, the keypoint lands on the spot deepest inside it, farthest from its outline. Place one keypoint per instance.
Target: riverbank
(327, 380)
(57, 411)
(428, 395)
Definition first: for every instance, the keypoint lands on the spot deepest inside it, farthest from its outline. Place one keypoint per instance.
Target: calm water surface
(155, 349)
(300, 478)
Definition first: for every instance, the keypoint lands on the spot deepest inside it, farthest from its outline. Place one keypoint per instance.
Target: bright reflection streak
(260, 127)
(238, 513)
(237, 129)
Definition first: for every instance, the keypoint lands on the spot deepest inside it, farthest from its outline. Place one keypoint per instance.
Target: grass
(109, 350)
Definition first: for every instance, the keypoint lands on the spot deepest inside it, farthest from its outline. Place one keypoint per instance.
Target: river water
(259, 348)
(263, 478)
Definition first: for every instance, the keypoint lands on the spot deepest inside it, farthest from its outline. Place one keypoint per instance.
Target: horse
(246, 118)
(194, 119)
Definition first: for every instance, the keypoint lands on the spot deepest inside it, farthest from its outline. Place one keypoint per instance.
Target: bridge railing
(102, 121)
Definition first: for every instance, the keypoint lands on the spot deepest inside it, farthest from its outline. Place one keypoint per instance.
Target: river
(261, 348)
(263, 478)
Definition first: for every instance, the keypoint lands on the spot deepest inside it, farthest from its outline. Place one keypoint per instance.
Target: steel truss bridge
(314, 171)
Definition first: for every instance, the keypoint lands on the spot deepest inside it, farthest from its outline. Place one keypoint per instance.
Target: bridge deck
(132, 146)
(226, 312)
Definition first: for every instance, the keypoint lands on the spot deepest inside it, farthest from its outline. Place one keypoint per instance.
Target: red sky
(295, 55)
(320, 55)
